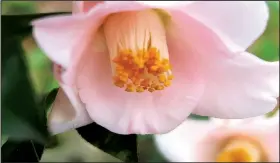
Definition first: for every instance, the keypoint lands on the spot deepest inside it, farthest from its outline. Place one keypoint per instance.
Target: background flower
(201, 141)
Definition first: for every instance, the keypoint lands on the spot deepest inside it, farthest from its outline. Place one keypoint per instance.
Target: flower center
(138, 51)
(240, 150)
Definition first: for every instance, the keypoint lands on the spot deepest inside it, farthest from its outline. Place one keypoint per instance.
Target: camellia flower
(144, 66)
(248, 140)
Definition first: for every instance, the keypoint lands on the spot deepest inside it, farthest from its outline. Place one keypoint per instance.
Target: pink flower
(118, 59)
(248, 140)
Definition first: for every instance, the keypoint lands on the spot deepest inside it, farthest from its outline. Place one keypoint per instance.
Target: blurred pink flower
(105, 45)
(248, 140)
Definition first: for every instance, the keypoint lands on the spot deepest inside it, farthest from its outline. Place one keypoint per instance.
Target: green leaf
(19, 7)
(147, 150)
(198, 117)
(25, 151)
(41, 71)
(267, 46)
(3, 139)
(123, 147)
(272, 113)
(22, 118)
(268, 51)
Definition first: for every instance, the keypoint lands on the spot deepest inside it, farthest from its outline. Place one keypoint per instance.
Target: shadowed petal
(67, 112)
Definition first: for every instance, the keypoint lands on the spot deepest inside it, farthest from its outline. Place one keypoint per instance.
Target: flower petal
(211, 41)
(133, 113)
(167, 4)
(240, 87)
(96, 15)
(67, 112)
(58, 36)
(271, 143)
(180, 145)
(143, 113)
(84, 6)
(63, 38)
(235, 83)
(240, 21)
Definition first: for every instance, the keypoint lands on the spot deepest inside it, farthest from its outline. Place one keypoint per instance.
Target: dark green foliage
(123, 147)
(23, 151)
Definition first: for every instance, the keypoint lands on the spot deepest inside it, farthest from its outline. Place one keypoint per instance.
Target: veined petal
(240, 87)
(136, 113)
(138, 51)
(143, 113)
(240, 21)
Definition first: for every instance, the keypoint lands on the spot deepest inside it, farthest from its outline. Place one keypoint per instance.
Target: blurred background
(70, 145)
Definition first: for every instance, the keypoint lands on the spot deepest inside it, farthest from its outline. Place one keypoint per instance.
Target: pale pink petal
(67, 111)
(58, 36)
(118, 110)
(180, 145)
(167, 4)
(271, 143)
(239, 87)
(105, 103)
(143, 113)
(84, 6)
(123, 112)
(240, 21)
(63, 38)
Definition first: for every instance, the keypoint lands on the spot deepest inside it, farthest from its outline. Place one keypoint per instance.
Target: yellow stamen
(138, 51)
(235, 155)
(130, 88)
(135, 71)
(240, 150)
